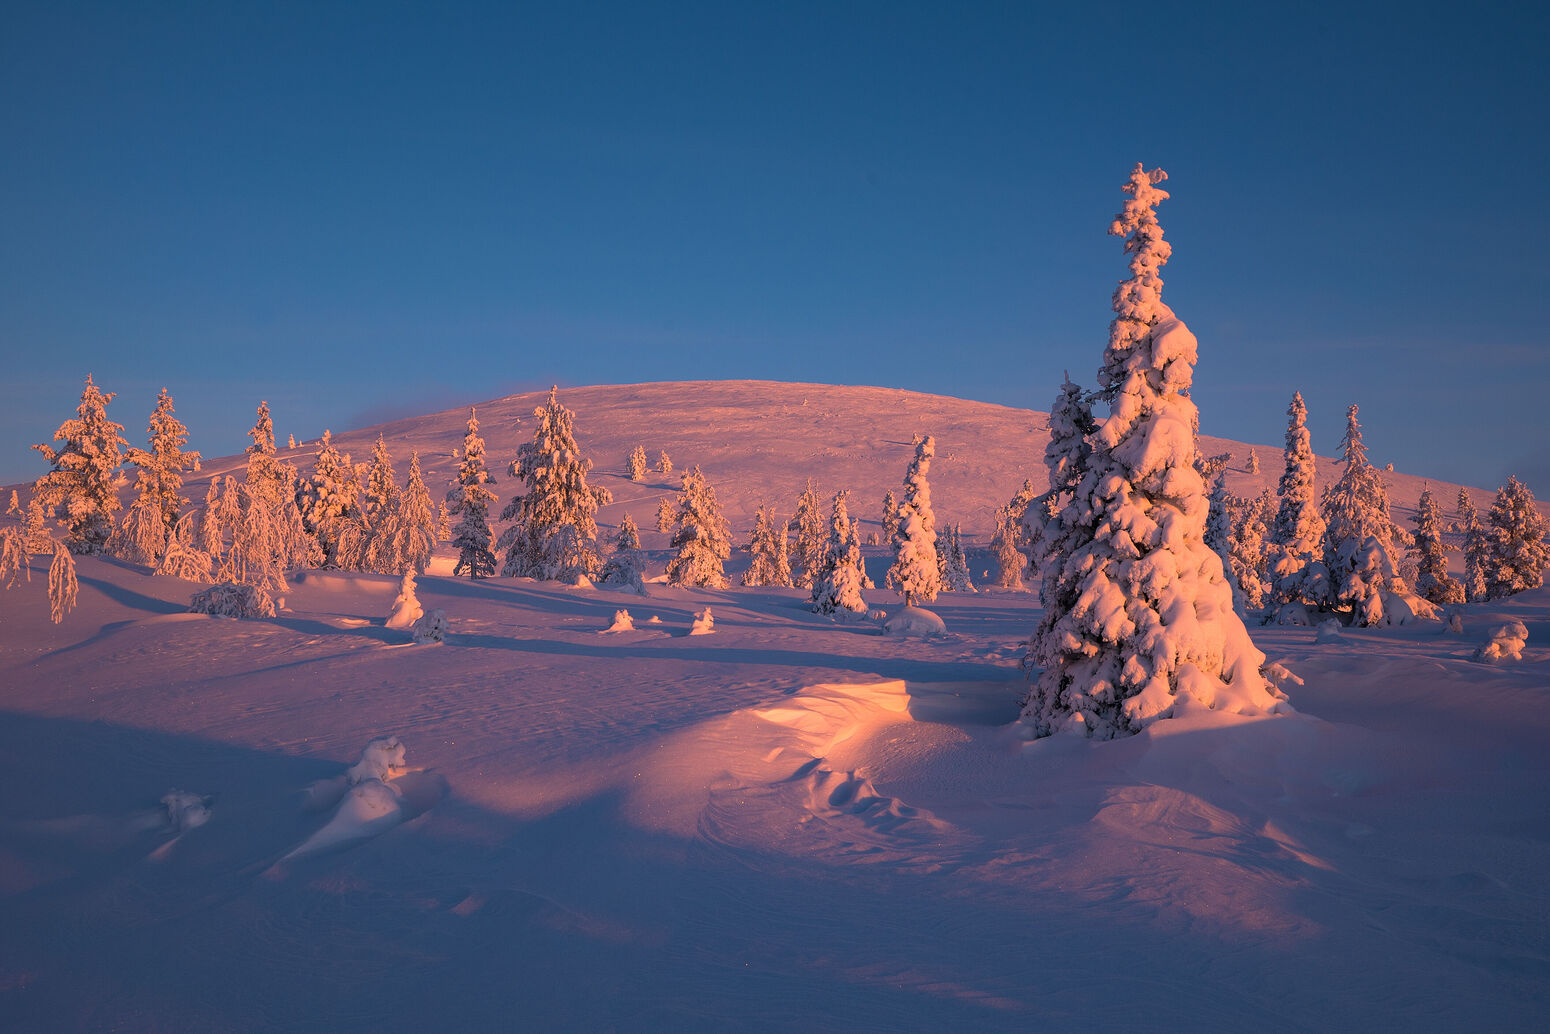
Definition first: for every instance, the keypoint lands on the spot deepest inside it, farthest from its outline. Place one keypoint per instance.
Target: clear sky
(364, 211)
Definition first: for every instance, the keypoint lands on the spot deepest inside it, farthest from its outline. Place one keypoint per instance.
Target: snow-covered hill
(759, 441)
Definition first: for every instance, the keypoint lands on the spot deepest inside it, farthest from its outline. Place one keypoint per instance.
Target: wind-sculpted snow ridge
(375, 794)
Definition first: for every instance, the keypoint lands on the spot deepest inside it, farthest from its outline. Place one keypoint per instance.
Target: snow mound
(1329, 631)
(406, 608)
(229, 599)
(1280, 676)
(431, 628)
(1505, 644)
(369, 808)
(704, 624)
(622, 623)
(1293, 614)
(186, 811)
(382, 759)
(914, 623)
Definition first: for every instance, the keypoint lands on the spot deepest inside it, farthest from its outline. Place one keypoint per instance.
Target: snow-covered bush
(704, 623)
(233, 600)
(382, 759)
(622, 623)
(1152, 618)
(1329, 631)
(1505, 644)
(912, 622)
(431, 628)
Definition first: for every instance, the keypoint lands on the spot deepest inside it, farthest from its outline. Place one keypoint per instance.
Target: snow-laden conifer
(1296, 549)
(381, 486)
(406, 605)
(812, 536)
(14, 508)
(636, 464)
(1515, 553)
(665, 514)
(1010, 562)
(701, 542)
(1253, 462)
(1431, 558)
(838, 582)
(162, 465)
(1359, 535)
(62, 584)
(469, 504)
(955, 568)
(443, 523)
(331, 502)
(1047, 523)
(1246, 549)
(265, 478)
(625, 567)
(1474, 548)
(409, 533)
(1151, 626)
(768, 562)
(38, 538)
(890, 517)
(664, 464)
(82, 487)
(554, 536)
(916, 574)
(140, 536)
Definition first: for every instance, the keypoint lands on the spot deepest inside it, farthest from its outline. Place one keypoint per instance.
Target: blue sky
(362, 211)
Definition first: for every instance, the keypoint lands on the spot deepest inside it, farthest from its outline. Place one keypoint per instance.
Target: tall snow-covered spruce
(1152, 630)
(159, 485)
(82, 488)
(1431, 559)
(1515, 549)
(838, 582)
(554, 536)
(701, 542)
(916, 572)
(769, 561)
(1295, 558)
(469, 503)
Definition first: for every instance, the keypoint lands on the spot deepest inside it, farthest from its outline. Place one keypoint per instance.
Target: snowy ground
(785, 824)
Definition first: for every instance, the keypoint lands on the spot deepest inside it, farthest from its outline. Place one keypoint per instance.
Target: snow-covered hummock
(554, 534)
(1431, 559)
(1515, 553)
(769, 560)
(469, 504)
(704, 623)
(1153, 620)
(82, 487)
(431, 628)
(701, 541)
(406, 607)
(1295, 555)
(1505, 644)
(622, 623)
(839, 580)
(1358, 543)
(625, 567)
(916, 572)
(382, 759)
(186, 811)
(234, 600)
(912, 622)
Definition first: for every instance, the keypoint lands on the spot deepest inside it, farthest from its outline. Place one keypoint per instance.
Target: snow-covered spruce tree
(36, 529)
(1296, 551)
(404, 538)
(839, 579)
(1221, 515)
(890, 516)
(443, 523)
(1151, 628)
(916, 573)
(381, 486)
(1010, 561)
(469, 503)
(1359, 536)
(636, 463)
(626, 567)
(812, 536)
(265, 477)
(1246, 549)
(13, 510)
(665, 514)
(140, 537)
(955, 569)
(664, 464)
(768, 562)
(1044, 521)
(554, 536)
(701, 542)
(330, 501)
(1253, 462)
(162, 465)
(1515, 551)
(82, 488)
(1474, 548)
(1431, 557)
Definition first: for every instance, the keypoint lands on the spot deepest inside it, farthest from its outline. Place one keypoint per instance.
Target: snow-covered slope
(759, 441)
